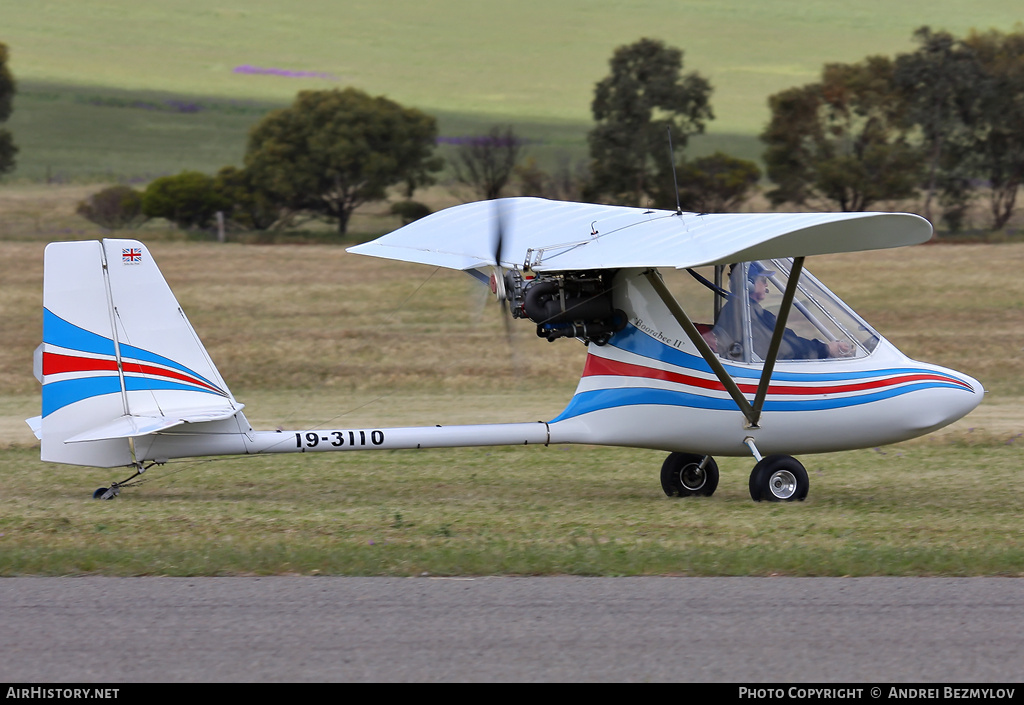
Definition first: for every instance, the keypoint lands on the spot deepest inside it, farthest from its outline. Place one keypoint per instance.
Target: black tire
(98, 494)
(779, 478)
(681, 475)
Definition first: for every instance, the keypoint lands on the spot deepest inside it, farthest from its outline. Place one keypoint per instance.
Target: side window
(732, 327)
(820, 326)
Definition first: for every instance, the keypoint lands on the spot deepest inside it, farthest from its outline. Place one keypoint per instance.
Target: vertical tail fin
(119, 358)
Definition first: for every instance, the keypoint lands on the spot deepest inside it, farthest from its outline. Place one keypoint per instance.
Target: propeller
(497, 281)
(497, 275)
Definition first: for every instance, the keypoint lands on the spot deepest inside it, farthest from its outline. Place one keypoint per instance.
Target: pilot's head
(757, 281)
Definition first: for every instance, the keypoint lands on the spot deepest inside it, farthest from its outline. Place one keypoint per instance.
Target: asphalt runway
(303, 629)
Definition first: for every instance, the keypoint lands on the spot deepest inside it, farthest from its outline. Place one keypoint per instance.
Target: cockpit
(747, 303)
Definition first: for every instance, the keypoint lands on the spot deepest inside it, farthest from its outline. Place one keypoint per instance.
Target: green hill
(107, 88)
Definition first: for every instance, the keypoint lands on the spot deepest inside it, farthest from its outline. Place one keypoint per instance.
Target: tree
(8, 150)
(333, 151)
(565, 183)
(717, 183)
(113, 208)
(486, 162)
(645, 94)
(995, 151)
(844, 139)
(189, 200)
(941, 83)
(246, 204)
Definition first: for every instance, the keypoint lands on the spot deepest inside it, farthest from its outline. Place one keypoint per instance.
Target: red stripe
(55, 363)
(603, 366)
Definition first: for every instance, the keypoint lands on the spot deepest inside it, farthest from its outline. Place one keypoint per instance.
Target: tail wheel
(683, 476)
(779, 478)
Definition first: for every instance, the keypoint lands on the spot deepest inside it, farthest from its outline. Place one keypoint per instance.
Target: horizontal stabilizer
(135, 426)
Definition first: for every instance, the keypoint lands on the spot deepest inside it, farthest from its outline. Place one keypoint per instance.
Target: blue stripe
(599, 399)
(632, 339)
(149, 384)
(129, 353)
(57, 331)
(57, 395)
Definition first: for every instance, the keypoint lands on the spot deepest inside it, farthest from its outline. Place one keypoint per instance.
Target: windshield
(820, 326)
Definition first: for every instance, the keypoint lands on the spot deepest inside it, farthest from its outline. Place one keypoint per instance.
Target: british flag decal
(131, 255)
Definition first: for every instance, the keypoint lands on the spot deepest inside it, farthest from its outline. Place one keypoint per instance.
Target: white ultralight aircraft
(758, 358)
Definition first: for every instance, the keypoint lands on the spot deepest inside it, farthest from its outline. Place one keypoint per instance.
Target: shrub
(189, 200)
(409, 211)
(113, 208)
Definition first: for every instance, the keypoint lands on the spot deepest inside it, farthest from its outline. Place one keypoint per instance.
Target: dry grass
(45, 212)
(311, 321)
(314, 317)
(307, 334)
(313, 332)
(961, 306)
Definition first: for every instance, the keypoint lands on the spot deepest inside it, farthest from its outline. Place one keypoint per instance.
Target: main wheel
(682, 475)
(779, 478)
(98, 494)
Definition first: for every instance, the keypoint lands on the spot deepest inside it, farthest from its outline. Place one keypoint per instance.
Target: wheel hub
(782, 484)
(692, 477)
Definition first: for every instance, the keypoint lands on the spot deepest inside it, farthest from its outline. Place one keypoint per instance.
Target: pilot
(728, 329)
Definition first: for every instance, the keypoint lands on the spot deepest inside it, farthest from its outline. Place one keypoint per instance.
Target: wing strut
(751, 412)
(702, 346)
(776, 342)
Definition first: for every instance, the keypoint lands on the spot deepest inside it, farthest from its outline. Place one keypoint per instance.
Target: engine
(569, 305)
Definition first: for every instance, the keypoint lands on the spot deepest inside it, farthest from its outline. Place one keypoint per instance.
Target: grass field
(530, 58)
(126, 91)
(309, 335)
(579, 511)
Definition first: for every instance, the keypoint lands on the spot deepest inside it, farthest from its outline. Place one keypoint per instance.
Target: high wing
(566, 236)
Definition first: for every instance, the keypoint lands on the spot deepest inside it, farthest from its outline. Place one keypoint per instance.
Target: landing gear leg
(687, 474)
(115, 487)
(107, 492)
